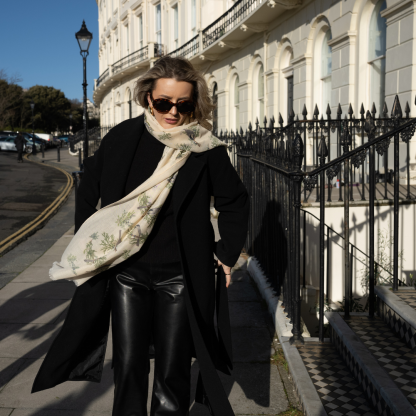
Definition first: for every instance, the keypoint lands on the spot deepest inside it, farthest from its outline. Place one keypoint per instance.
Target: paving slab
(27, 341)
(251, 345)
(9, 367)
(239, 291)
(248, 314)
(38, 274)
(25, 311)
(5, 412)
(38, 291)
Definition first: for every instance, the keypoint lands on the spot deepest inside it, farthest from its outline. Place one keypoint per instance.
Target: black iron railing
(229, 20)
(132, 59)
(188, 49)
(102, 77)
(272, 164)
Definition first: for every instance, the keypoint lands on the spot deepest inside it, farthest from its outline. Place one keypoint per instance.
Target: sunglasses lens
(162, 106)
(186, 107)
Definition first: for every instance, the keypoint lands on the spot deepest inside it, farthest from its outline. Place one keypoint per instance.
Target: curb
(16, 238)
(307, 395)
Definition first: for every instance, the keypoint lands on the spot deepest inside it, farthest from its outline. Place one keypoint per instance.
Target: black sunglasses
(163, 105)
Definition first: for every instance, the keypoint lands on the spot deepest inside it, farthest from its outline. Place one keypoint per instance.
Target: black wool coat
(78, 351)
(19, 141)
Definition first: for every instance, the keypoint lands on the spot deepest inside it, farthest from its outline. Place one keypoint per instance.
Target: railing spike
(407, 109)
(257, 120)
(273, 120)
(385, 109)
(328, 110)
(297, 117)
(304, 112)
(292, 113)
(322, 117)
(221, 133)
(339, 111)
(396, 111)
(362, 111)
(322, 149)
(373, 109)
(316, 111)
(250, 127)
(350, 110)
(280, 119)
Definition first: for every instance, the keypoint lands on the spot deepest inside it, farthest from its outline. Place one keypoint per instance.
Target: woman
(147, 254)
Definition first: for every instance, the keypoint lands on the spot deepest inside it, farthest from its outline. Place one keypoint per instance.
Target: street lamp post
(70, 124)
(32, 106)
(84, 38)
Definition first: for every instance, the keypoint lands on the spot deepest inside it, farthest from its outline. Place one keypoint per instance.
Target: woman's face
(174, 91)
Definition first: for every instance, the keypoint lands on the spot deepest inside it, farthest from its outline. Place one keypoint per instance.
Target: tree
(10, 98)
(52, 108)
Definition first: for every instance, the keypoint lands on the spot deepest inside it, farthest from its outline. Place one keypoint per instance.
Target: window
(377, 56)
(158, 24)
(326, 71)
(236, 103)
(140, 30)
(127, 40)
(175, 28)
(193, 17)
(289, 95)
(260, 94)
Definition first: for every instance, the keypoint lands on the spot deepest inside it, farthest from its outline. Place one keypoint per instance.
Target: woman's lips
(171, 121)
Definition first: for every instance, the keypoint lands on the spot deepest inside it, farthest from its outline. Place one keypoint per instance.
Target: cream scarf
(117, 231)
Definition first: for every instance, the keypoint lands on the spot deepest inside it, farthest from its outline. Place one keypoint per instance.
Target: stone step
(398, 311)
(339, 393)
(382, 364)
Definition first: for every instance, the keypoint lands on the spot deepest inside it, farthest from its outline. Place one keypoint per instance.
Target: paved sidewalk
(68, 162)
(33, 308)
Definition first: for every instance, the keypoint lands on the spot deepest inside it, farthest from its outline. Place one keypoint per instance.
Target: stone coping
(377, 376)
(397, 304)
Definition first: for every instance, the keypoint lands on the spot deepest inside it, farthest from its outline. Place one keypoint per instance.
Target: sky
(38, 42)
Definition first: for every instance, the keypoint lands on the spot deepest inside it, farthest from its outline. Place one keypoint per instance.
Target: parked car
(38, 140)
(28, 146)
(7, 145)
(64, 138)
(29, 143)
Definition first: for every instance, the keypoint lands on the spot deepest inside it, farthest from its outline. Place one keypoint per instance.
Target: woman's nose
(173, 110)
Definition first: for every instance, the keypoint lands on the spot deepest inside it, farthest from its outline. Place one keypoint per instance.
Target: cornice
(398, 11)
(342, 40)
(300, 59)
(136, 4)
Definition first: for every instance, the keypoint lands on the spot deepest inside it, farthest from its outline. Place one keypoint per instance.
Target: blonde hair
(181, 70)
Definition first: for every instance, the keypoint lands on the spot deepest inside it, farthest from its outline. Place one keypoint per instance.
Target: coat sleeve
(88, 193)
(232, 202)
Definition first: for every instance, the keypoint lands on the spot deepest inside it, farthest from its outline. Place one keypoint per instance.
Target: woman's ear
(149, 100)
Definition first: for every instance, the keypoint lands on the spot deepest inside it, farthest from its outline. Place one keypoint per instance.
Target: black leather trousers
(148, 303)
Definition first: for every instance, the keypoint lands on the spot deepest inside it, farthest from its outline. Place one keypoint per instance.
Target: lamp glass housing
(84, 38)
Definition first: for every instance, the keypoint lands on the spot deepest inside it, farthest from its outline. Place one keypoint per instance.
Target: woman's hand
(227, 271)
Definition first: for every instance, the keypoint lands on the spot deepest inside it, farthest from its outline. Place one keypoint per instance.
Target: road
(26, 189)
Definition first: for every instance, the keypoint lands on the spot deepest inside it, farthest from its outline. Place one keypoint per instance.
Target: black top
(161, 246)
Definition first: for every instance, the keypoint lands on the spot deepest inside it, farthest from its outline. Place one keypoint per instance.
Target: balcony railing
(102, 77)
(129, 60)
(229, 20)
(188, 49)
(137, 56)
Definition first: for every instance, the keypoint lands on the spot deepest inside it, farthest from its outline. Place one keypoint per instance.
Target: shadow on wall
(270, 244)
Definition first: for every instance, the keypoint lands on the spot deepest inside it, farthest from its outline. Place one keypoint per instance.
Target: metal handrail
(188, 49)
(352, 245)
(127, 61)
(103, 77)
(228, 20)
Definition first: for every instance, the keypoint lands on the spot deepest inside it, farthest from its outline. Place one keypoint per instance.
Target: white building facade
(263, 57)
